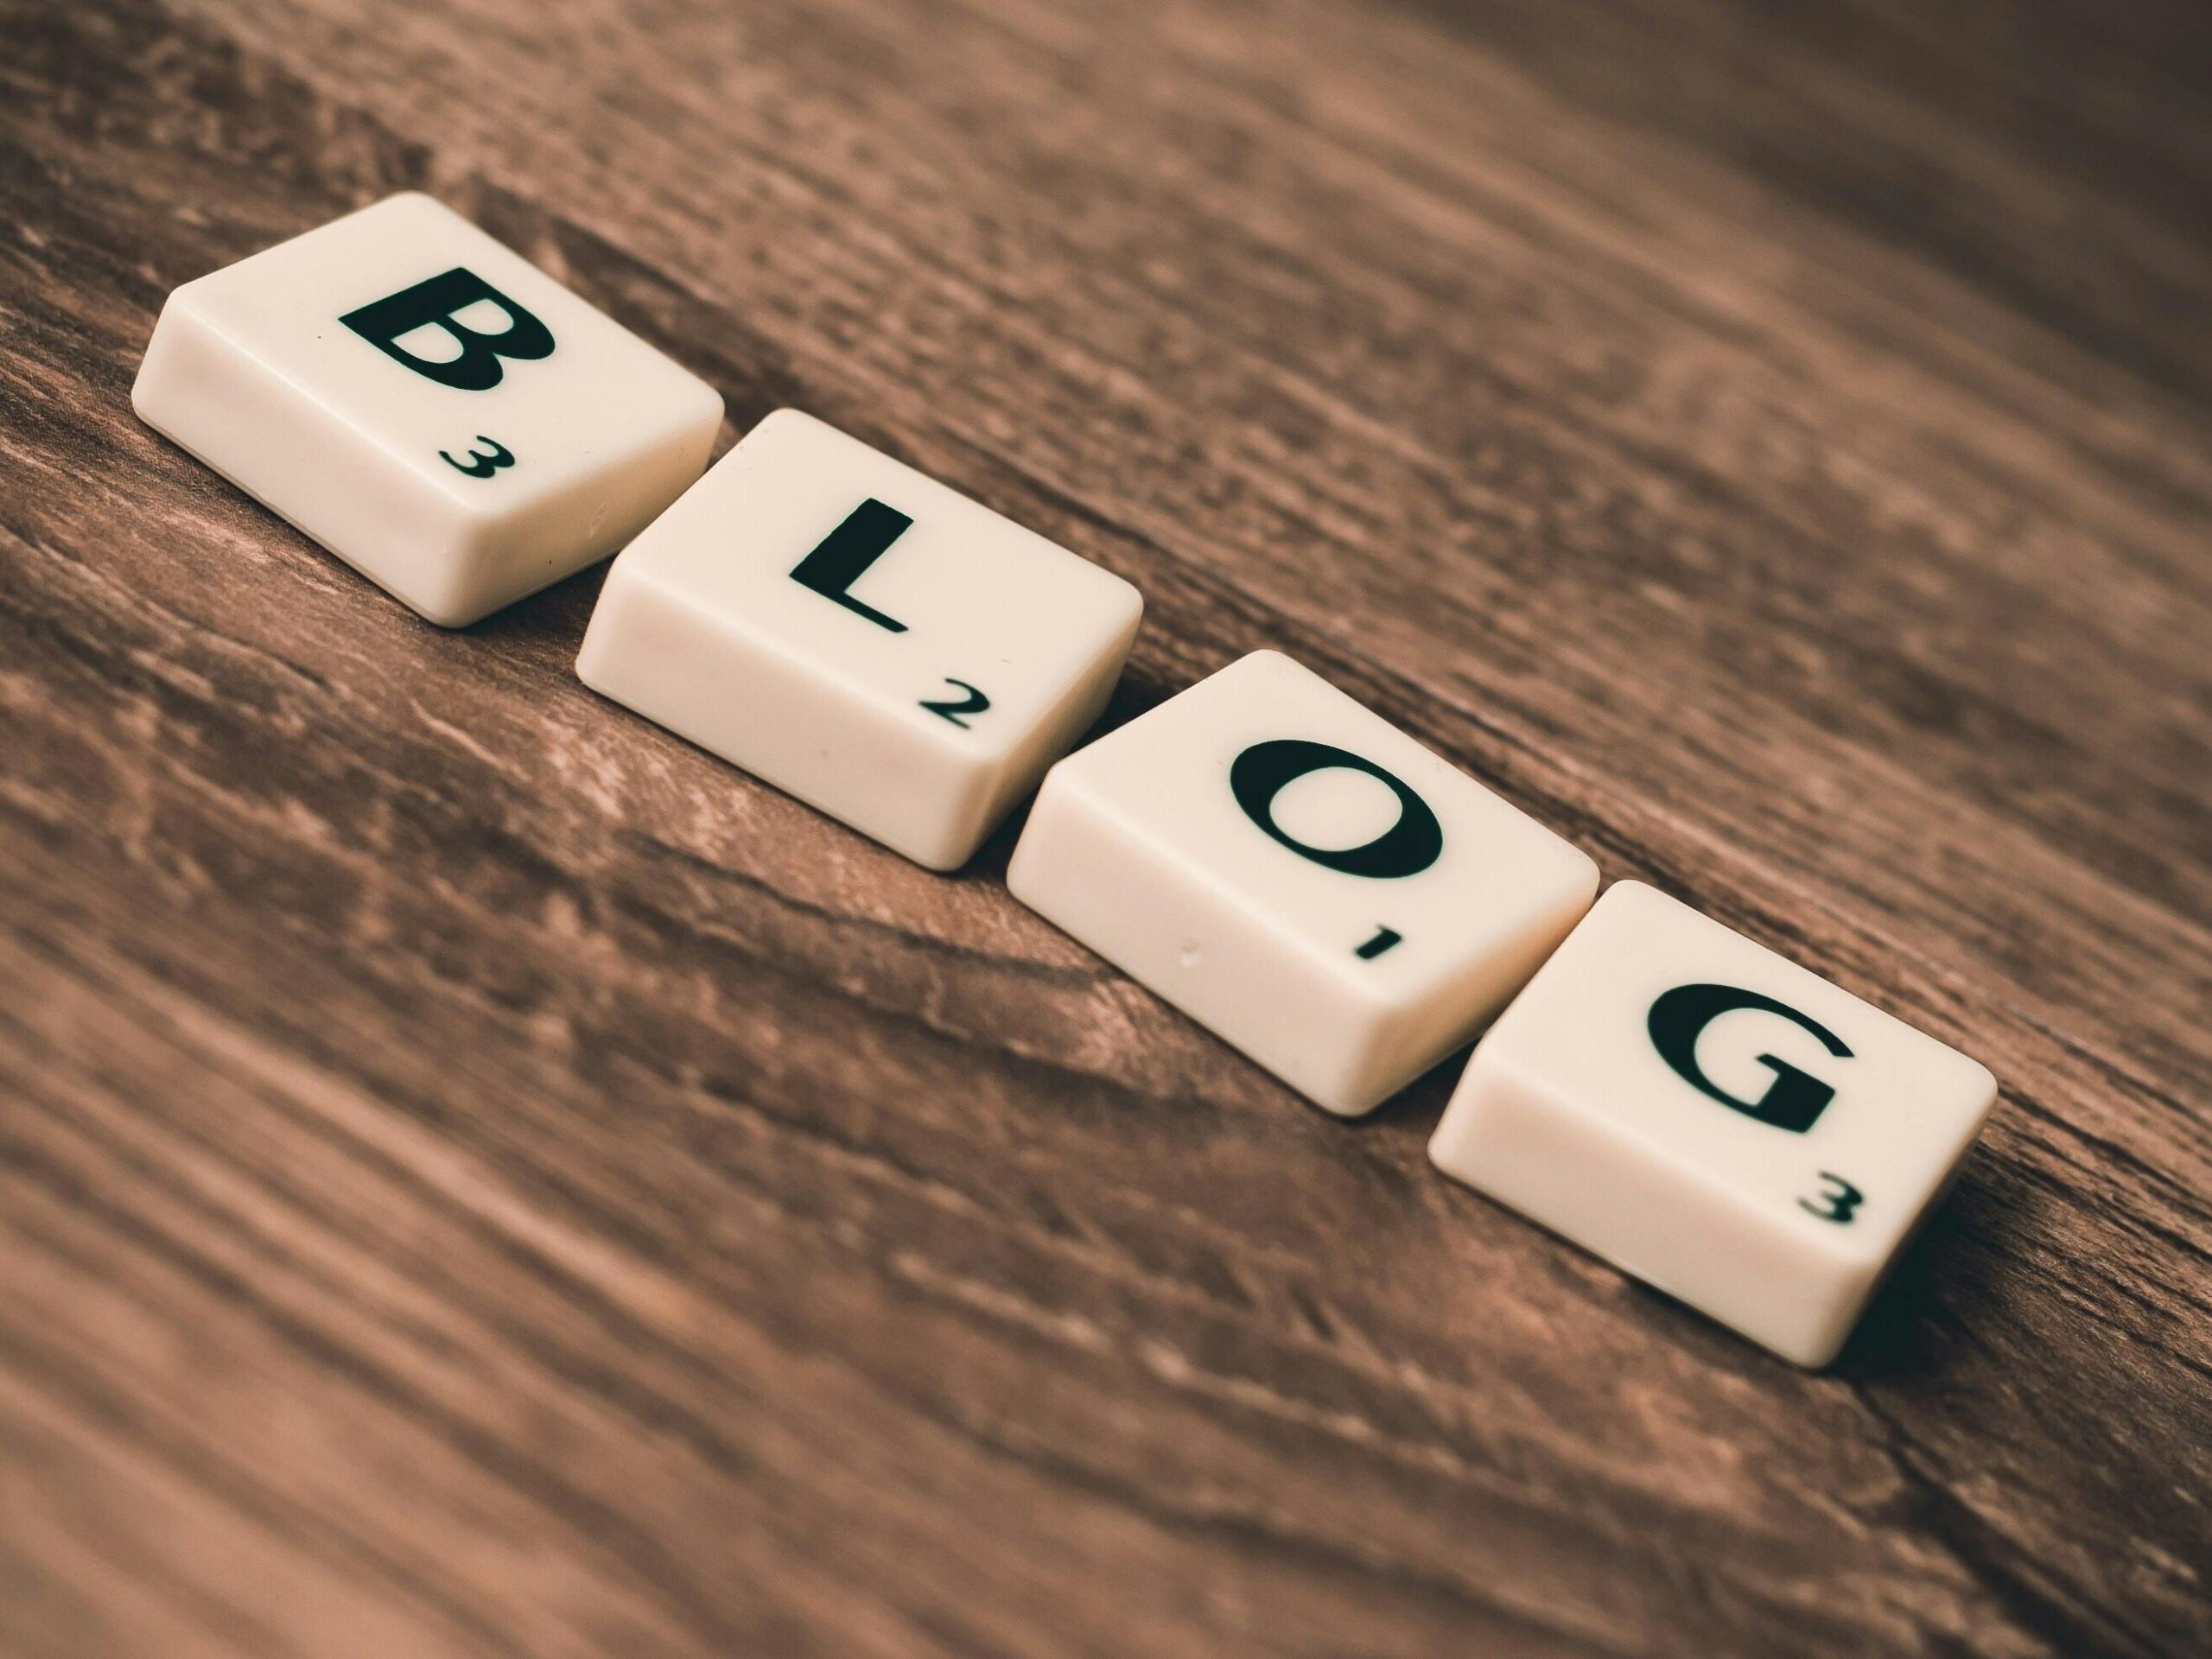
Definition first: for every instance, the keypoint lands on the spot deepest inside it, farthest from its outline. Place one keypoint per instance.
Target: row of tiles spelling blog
(1267, 855)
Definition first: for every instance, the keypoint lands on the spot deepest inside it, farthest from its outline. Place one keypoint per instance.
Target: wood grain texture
(478, 1177)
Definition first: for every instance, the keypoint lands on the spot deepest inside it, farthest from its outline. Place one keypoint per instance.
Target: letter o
(1407, 847)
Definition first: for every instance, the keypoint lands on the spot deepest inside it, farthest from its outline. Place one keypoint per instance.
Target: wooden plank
(480, 1177)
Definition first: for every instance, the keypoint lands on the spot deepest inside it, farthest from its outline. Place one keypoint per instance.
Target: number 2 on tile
(952, 708)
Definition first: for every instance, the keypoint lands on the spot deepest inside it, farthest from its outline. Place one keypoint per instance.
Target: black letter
(845, 554)
(434, 302)
(1796, 1098)
(1407, 847)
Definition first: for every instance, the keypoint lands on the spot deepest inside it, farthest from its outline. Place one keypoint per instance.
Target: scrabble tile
(1713, 1119)
(861, 636)
(429, 406)
(1300, 877)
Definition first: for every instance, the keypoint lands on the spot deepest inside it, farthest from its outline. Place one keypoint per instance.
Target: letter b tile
(426, 404)
(862, 636)
(1713, 1119)
(1300, 877)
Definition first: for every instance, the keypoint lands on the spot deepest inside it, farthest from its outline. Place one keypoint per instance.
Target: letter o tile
(1300, 877)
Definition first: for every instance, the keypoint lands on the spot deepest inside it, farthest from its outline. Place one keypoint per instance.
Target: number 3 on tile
(481, 463)
(952, 708)
(1838, 1200)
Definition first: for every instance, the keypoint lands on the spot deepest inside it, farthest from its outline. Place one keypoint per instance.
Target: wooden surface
(478, 1177)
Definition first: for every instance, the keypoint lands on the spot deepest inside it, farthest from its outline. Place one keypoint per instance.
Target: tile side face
(1300, 876)
(427, 404)
(862, 636)
(1746, 1135)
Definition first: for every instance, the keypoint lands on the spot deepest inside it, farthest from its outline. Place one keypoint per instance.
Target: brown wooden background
(478, 1177)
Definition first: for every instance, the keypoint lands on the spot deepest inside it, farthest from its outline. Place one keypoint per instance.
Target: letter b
(383, 322)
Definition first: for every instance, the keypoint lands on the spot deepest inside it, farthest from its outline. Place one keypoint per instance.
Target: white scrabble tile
(861, 636)
(1713, 1119)
(1300, 877)
(429, 406)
